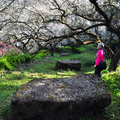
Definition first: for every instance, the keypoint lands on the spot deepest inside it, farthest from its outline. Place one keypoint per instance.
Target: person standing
(100, 57)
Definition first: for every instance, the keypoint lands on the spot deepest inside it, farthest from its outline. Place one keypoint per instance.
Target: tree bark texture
(114, 61)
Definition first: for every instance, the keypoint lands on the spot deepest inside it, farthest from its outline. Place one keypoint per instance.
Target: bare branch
(7, 6)
(100, 11)
(76, 32)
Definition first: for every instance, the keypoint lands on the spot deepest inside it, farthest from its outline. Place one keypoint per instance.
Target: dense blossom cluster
(6, 49)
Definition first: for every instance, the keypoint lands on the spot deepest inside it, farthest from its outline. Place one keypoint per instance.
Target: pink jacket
(100, 56)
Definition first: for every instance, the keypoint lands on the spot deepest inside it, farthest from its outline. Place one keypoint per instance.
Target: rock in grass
(68, 64)
(64, 54)
(60, 99)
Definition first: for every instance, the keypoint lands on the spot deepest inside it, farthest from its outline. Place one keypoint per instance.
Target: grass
(45, 68)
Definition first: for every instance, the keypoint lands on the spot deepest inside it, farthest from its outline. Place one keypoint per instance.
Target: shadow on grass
(6, 93)
(47, 68)
(5, 112)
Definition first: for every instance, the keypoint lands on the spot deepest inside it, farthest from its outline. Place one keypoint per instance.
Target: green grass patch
(113, 81)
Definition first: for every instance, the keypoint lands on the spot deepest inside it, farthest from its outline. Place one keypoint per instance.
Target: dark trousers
(98, 72)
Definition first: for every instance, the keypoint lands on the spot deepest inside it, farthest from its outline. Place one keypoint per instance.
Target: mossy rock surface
(60, 99)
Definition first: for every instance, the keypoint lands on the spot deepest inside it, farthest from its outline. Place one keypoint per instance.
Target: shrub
(10, 61)
(27, 57)
(14, 59)
(4, 64)
(40, 55)
(78, 50)
(66, 48)
(7, 49)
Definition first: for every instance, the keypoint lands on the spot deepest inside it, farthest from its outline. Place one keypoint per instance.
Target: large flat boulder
(68, 64)
(60, 99)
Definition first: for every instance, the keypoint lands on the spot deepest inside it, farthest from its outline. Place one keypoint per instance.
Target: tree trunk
(52, 50)
(73, 49)
(114, 61)
(110, 39)
(108, 52)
